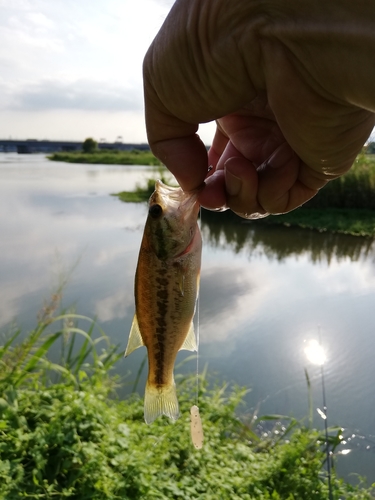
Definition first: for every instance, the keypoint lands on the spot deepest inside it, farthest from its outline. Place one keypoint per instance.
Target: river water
(266, 292)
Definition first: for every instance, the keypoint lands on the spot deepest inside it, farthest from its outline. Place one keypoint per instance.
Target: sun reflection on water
(315, 352)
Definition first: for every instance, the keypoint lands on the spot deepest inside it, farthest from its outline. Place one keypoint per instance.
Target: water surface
(265, 291)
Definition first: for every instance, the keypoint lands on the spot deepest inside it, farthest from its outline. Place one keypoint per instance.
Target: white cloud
(116, 306)
(72, 125)
(72, 217)
(225, 310)
(41, 21)
(17, 4)
(86, 95)
(25, 34)
(78, 57)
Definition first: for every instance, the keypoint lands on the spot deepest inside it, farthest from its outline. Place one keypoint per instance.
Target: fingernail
(221, 209)
(232, 182)
(281, 156)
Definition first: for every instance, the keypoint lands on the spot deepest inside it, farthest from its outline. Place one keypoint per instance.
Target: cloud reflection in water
(262, 288)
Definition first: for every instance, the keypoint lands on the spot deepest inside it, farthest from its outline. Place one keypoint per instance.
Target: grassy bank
(356, 222)
(142, 192)
(108, 157)
(355, 189)
(64, 434)
(346, 205)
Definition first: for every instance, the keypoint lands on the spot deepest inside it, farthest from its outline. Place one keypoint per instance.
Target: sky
(72, 69)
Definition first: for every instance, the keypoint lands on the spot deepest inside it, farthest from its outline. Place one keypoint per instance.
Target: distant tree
(370, 149)
(89, 145)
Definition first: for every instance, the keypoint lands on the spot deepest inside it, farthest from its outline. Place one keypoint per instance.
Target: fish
(166, 288)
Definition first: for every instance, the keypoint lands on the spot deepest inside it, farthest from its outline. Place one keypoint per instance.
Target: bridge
(29, 146)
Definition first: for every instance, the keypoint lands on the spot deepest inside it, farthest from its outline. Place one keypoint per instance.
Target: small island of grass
(108, 157)
(92, 154)
(142, 193)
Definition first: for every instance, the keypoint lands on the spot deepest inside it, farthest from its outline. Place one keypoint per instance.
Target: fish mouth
(181, 200)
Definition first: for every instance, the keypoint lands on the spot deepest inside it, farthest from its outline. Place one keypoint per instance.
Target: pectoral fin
(190, 344)
(135, 338)
(181, 283)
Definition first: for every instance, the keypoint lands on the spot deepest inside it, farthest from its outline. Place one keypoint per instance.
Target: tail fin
(161, 401)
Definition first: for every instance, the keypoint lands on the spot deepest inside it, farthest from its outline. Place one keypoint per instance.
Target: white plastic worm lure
(196, 428)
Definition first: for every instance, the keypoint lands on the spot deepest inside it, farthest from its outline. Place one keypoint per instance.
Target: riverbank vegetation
(65, 434)
(345, 205)
(353, 221)
(142, 192)
(108, 157)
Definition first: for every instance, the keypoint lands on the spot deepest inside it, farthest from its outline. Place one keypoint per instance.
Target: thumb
(175, 142)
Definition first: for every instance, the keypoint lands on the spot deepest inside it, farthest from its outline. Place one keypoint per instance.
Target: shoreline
(352, 220)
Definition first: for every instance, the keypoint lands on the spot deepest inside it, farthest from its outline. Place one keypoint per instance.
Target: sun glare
(315, 352)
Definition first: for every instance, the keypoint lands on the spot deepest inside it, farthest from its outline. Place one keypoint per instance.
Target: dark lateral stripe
(161, 326)
(161, 250)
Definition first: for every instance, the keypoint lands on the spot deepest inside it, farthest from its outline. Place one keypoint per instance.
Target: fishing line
(198, 322)
(196, 429)
(325, 410)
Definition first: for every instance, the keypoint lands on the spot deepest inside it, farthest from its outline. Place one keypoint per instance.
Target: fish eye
(155, 211)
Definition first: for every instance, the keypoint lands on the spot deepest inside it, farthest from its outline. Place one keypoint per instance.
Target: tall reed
(355, 189)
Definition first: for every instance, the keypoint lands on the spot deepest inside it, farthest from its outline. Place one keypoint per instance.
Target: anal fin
(135, 337)
(190, 344)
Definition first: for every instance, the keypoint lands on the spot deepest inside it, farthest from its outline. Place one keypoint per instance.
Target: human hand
(293, 104)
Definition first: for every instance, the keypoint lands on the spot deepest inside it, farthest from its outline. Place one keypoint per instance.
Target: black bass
(166, 290)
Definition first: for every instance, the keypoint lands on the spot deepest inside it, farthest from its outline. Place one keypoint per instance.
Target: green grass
(355, 189)
(357, 222)
(140, 194)
(143, 192)
(109, 157)
(345, 205)
(64, 434)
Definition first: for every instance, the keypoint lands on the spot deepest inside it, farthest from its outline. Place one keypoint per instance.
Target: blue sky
(72, 69)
